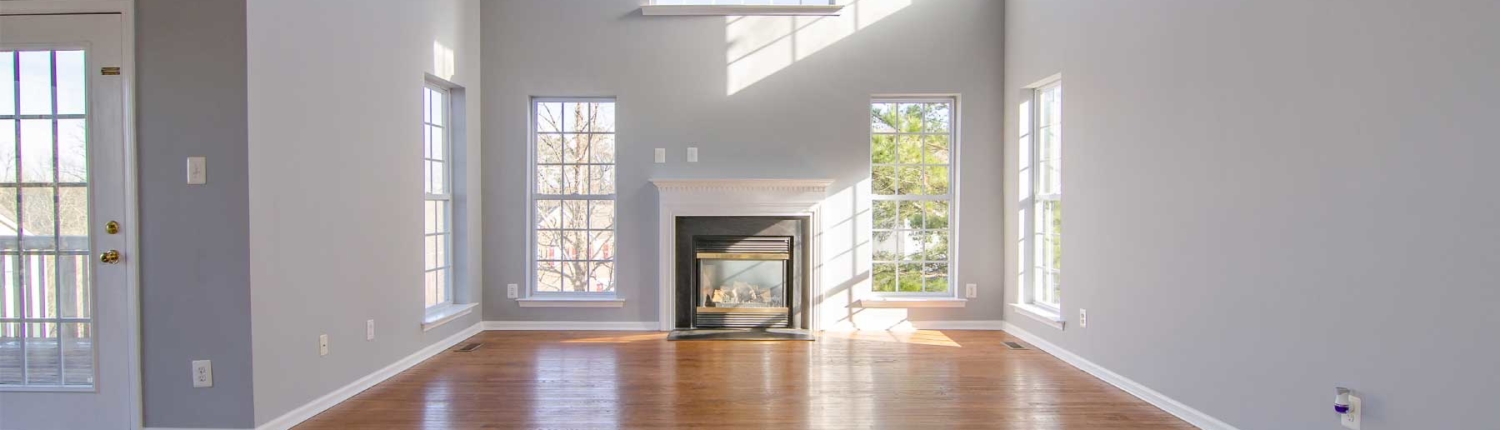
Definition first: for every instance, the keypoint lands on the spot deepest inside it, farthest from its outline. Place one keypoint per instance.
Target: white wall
(1268, 199)
(335, 185)
(795, 106)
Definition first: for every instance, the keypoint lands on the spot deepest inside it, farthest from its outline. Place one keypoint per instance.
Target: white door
(64, 354)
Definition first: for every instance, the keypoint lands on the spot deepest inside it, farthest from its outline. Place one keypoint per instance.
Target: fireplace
(742, 281)
(741, 272)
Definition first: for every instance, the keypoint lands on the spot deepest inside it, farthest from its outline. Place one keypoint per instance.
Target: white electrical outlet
(1351, 419)
(692, 155)
(203, 373)
(197, 171)
(661, 155)
(512, 291)
(370, 330)
(1083, 318)
(971, 291)
(323, 344)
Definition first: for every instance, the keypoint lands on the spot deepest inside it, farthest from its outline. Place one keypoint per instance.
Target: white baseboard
(297, 416)
(1176, 408)
(572, 325)
(958, 325)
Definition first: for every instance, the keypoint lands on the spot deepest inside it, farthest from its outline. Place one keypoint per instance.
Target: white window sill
(571, 302)
(1046, 316)
(439, 315)
(739, 10)
(910, 302)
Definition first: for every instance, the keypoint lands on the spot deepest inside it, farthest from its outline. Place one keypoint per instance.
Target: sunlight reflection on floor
(619, 339)
(918, 337)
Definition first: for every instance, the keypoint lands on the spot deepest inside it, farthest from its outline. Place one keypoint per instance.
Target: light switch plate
(661, 155)
(692, 155)
(971, 291)
(323, 345)
(370, 330)
(203, 373)
(197, 171)
(512, 291)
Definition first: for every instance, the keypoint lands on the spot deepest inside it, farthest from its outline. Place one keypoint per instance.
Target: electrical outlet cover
(1083, 318)
(1350, 420)
(323, 345)
(512, 291)
(370, 330)
(203, 373)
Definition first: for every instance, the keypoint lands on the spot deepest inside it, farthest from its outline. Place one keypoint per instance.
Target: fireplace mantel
(732, 197)
(786, 185)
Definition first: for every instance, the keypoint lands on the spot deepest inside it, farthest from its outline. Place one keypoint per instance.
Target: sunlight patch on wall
(442, 61)
(843, 268)
(760, 46)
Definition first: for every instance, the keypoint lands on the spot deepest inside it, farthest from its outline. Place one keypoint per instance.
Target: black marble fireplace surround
(794, 227)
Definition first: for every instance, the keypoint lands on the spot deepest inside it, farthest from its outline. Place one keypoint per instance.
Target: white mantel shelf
(793, 185)
(732, 197)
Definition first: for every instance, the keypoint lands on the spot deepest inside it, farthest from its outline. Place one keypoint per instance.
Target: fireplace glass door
(742, 283)
(743, 290)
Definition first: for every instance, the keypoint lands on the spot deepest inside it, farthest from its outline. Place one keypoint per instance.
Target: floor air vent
(1014, 345)
(469, 347)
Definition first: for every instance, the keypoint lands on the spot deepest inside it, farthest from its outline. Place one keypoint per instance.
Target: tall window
(912, 146)
(438, 208)
(1042, 150)
(573, 196)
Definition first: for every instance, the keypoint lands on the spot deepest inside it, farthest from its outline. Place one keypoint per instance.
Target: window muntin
(1045, 228)
(437, 166)
(573, 196)
(912, 145)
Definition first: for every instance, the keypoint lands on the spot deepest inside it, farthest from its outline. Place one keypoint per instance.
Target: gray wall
(194, 250)
(1268, 199)
(807, 120)
(336, 185)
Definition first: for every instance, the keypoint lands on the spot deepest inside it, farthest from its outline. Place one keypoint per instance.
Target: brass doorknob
(110, 257)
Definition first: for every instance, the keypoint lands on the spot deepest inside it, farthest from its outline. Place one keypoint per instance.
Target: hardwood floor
(926, 379)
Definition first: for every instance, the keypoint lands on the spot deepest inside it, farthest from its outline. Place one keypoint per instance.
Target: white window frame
(531, 209)
(445, 198)
(954, 155)
(1033, 253)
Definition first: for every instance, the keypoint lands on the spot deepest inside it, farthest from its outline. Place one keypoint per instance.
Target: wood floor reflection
(927, 379)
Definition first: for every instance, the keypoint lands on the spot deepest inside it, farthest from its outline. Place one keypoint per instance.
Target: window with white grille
(573, 196)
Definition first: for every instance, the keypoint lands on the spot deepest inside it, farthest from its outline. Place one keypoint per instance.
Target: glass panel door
(46, 300)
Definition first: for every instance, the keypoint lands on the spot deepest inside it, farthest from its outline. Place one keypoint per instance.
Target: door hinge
(109, 71)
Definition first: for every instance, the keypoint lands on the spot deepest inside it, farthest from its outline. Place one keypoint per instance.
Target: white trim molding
(958, 325)
(1041, 314)
(909, 302)
(734, 197)
(819, 186)
(1167, 404)
(740, 10)
(297, 416)
(439, 315)
(570, 325)
(570, 302)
